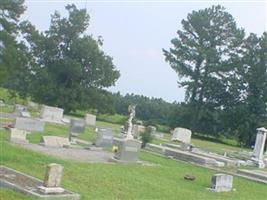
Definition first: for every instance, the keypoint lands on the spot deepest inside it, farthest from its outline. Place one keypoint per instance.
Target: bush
(146, 137)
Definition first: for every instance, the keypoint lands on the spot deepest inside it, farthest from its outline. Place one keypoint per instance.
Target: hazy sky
(135, 32)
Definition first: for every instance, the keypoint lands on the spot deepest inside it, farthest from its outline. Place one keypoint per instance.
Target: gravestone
(90, 119)
(104, 137)
(52, 179)
(182, 135)
(29, 124)
(20, 110)
(18, 136)
(258, 151)
(25, 114)
(128, 150)
(55, 141)
(221, 183)
(77, 126)
(138, 129)
(51, 114)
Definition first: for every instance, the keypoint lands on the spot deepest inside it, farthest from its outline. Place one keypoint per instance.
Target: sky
(135, 32)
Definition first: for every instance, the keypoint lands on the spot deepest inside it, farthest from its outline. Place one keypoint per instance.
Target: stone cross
(53, 175)
(259, 147)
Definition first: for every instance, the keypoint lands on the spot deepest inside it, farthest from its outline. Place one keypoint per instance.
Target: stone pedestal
(258, 151)
(128, 150)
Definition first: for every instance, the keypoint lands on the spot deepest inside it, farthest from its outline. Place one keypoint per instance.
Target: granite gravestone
(29, 124)
(51, 114)
(104, 137)
(90, 119)
(18, 136)
(182, 135)
(221, 183)
(128, 150)
(77, 126)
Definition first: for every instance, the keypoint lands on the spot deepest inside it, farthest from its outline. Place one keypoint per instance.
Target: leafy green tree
(68, 65)
(11, 51)
(202, 55)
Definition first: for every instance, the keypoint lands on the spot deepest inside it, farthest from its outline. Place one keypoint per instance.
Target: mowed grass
(119, 181)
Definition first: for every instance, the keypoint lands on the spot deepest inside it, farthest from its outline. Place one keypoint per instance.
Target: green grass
(118, 181)
(6, 109)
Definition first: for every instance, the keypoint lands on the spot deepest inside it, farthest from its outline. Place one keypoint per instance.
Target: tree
(11, 51)
(203, 56)
(67, 64)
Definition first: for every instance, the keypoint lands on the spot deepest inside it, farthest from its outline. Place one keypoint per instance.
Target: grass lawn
(118, 181)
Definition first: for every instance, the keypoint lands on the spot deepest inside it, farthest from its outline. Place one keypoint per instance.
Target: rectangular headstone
(221, 183)
(182, 135)
(51, 114)
(128, 151)
(104, 137)
(55, 141)
(29, 124)
(18, 136)
(53, 175)
(25, 114)
(77, 126)
(90, 119)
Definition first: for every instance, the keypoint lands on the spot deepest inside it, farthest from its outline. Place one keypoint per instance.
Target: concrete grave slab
(20, 182)
(55, 141)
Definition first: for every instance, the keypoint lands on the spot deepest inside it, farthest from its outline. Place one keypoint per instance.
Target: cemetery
(68, 132)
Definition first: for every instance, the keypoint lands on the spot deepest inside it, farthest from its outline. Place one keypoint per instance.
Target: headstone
(128, 150)
(258, 151)
(104, 137)
(29, 124)
(18, 136)
(51, 114)
(19, 109)
(138, 129)
(221, 183)
(182, 135)
(77, 126)
(90, 119)
(55, 141)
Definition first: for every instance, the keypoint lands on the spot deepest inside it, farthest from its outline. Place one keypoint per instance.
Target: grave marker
(29, 124)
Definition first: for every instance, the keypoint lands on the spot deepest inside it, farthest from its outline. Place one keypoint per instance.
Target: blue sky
(135, 32)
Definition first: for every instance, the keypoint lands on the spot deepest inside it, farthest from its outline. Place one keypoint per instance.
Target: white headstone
(51, 114)
(182, 135)
(29, 124)
(221, 183)
(258, 151)
(18, 136)
(90, 119)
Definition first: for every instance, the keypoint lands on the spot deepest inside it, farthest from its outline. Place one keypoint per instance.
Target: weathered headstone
(90, 119)
(104, 137)
(51, 114)
(52, 179)
(221, 183)
(18, 136)
(55, 141)
(258, 151)
(29, 124)
(128, 150)
(182, 135)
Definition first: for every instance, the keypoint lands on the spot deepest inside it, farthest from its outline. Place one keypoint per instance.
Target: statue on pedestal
(129, 125)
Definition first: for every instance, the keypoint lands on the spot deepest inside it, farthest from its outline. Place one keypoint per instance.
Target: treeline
(223, 71)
